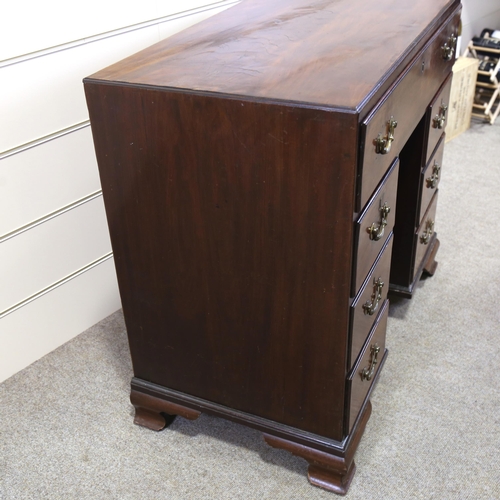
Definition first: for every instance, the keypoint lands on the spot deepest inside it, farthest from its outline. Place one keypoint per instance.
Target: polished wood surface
(434, 132)
(429, 218)
(430, 264)
(156, 413)
(266, 426)
(330, 472)
(361, 321)
(414, 197)
(366, 248)
(300, 50)
(357, 385)
(240, 180)
(423, 79)
(429, 186)
(409, 188)
(230, 242)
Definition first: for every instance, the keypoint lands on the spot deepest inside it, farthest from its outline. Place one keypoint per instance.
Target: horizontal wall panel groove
(46, 178)
(35, 259)
(52, 287)
(56, 317)
(43, 95)
(42, 140)
(50, 216)
(63, 43)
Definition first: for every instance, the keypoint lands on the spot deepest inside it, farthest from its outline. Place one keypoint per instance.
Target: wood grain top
(308, 51)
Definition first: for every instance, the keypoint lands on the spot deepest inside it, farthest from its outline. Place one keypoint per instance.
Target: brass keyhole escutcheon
(439, 120)
(367, 373)
(383, 144)
(429, 231)
(448, 49)
(371, 306)
(433, 180)
(376, 232)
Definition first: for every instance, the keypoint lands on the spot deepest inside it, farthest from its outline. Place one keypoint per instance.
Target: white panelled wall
(57, 274)
(56, 268)
(477, 15)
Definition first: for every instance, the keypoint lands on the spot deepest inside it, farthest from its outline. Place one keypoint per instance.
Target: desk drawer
(404, 102)
(365, 371)
(425, 232)
(374, 226)
(429, 179)
(369, 300)
(438, 114)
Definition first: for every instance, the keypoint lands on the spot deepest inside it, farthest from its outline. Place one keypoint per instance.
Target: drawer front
(405, 102)
(365, 371)
(430, 179)
(438, 115)
(367, 304)
(426, 231)
(374, 226)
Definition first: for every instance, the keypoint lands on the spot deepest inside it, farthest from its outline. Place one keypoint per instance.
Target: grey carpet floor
(66, 426)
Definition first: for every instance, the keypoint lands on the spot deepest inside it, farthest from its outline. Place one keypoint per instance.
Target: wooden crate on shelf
(461, 96)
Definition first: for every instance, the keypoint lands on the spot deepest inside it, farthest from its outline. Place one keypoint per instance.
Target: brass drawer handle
(429, 231)
(439, 119)
(370, 307)
(433, 180)
(376, 232)
(383, 145)
(367, 373)
(448, 49)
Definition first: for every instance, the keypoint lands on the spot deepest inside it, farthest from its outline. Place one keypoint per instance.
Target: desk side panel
(231, 225)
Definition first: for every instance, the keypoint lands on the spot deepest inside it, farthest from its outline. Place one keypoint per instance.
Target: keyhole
(423, 67)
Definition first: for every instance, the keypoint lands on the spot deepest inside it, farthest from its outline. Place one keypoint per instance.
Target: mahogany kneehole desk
(269, 175)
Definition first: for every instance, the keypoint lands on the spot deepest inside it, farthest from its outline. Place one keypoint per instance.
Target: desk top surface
(323, 52)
